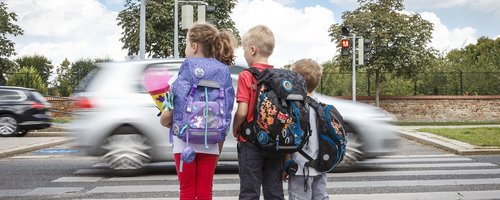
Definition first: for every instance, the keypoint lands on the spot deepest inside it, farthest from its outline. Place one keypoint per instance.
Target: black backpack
(331, 137)
(281, 116)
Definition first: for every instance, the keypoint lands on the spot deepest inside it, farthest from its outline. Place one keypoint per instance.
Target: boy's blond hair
(310, 70)
(261, 37)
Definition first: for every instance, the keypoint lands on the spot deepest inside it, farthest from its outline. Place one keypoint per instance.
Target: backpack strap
(254, 71)
(256, 74)
(319, 126)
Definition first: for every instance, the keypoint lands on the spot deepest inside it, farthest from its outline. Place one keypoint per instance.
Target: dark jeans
(259, 168)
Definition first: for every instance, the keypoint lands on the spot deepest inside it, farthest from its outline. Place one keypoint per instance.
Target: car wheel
(354, 149)
(8, 125)
(21, 133)
(126, 149)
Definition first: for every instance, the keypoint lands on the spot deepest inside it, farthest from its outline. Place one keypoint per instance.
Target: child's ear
(254, 50)
(194, 46)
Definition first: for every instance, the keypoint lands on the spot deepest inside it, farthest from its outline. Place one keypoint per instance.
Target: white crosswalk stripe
(391, 177)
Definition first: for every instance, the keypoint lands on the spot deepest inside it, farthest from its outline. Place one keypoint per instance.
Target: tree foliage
(484, 56)
(160, 25)
(399, 40)
(63, 83)
(28, 77)
(6, 67)
(42, 64)
(7, 27)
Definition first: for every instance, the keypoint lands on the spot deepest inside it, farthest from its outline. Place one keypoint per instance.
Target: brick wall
(440, 108)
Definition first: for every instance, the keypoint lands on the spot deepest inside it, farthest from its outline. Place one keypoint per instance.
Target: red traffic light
(344, 43)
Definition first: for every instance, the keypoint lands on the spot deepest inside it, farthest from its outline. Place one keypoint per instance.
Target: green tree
(484, 56)
(399, 40)
(160, 25)
(42, 64)
(6, 67)
(7, 27)
(63, 82)
(28, 77)
(81, 68)
(478, 66)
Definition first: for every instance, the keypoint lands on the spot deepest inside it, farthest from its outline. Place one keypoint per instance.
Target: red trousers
(196, 178)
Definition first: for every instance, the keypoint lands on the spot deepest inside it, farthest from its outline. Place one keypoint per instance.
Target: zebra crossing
(393, 177)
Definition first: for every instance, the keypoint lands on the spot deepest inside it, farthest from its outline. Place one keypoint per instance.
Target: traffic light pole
(354, 67)
(176, 29)
(142, 31)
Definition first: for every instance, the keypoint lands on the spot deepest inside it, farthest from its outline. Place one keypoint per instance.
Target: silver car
(116, 118)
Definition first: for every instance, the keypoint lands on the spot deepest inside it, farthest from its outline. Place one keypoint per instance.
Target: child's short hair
(261, 37)
(310, 70)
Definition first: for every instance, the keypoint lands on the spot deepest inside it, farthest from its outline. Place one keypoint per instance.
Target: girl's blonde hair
(216, 44)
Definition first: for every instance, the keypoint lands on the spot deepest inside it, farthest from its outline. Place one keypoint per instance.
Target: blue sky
(76, 29)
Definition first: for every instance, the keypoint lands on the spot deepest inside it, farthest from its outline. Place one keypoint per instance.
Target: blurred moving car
(116, 118)
(21, 110)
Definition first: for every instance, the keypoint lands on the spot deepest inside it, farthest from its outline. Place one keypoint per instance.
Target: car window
(39, 97)
(11, 95)
(172, 68)
(85, 82)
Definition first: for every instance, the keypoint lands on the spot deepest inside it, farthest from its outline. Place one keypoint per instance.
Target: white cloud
(486, 6)
(445, 39)
(60, 29)
(299, 33)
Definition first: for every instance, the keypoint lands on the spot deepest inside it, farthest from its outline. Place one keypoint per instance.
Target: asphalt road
(415, 171)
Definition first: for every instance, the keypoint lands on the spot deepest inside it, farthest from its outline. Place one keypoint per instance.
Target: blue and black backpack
(281, 116)
(332, 137)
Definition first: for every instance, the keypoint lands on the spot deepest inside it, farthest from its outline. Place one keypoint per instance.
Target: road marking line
(78, 179)
(452, 195)
(420, 156)
(432, 165)
(414, 160)
(52, 191)
(417, 173)
(343, 184)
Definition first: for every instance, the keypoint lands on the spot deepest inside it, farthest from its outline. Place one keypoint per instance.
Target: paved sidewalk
(10, 146)
(454, 146)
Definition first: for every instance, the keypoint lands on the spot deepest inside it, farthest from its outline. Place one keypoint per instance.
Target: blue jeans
(259, 168)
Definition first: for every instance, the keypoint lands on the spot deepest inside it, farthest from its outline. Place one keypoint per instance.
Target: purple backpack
(203, 101)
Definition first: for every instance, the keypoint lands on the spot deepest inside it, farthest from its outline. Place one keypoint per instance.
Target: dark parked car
(22, 110)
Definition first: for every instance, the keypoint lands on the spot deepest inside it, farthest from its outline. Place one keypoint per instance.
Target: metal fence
(449, 83)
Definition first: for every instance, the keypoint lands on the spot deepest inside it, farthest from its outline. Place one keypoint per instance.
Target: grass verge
(477, 136)
(443, 123)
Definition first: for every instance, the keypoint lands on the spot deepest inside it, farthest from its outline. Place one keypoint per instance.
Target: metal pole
(176, 29)
(353, 67)
(142, 31)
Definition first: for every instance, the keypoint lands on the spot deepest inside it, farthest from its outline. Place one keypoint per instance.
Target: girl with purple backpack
(203, 97)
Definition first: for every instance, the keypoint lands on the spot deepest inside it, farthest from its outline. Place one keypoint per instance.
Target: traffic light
(345, 31)
(187, 16)
(364, 49)
(367, 43)
(210, 10)
(345, 45)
